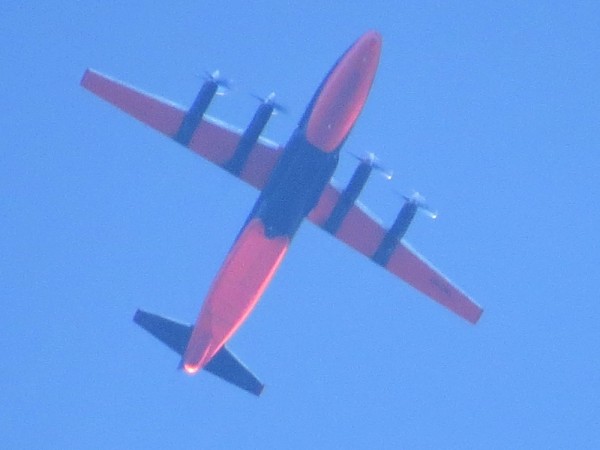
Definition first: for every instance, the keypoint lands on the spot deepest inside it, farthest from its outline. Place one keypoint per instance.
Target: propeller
(270, 100)
(421, 203)
(372, 160)
(216, 77)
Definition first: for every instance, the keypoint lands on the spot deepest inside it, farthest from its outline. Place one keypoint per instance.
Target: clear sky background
(492, 112)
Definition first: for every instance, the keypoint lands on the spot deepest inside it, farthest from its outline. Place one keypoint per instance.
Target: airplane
(295, 183)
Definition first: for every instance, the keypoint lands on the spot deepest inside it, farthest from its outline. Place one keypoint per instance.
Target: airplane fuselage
(293, 189)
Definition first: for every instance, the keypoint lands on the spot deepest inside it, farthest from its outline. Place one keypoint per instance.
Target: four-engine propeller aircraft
(295, 183)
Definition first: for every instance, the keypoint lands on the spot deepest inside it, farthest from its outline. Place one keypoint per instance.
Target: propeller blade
(387, 173)
(270, 100)
(420, 201)
(216, 77)
(372, 160)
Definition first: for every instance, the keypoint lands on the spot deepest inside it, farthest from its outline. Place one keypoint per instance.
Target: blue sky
(491, 111)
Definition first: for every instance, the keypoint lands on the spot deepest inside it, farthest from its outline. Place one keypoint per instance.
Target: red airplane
(295, 183)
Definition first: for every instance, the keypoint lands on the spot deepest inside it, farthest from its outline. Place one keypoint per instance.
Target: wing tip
(258, 390)
(475, 315)
(92, 80)
(86, 78)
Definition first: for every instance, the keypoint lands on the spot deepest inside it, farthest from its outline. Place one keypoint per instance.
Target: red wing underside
(361, 232)
(245, 274)
(212, 139)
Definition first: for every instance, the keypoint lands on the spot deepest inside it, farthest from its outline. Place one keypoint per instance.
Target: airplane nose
(372, 40)
(344, 93)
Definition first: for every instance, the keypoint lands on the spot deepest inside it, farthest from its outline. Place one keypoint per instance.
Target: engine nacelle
(349, 195)
(251, 135)
(397, 231)
(196, 112)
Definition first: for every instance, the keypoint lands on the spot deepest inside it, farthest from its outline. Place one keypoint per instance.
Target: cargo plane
(295, 183)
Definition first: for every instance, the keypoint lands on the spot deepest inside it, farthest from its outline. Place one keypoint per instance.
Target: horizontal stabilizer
(176, 335)
(225, 365)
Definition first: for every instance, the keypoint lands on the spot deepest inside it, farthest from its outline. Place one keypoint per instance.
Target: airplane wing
(217, 142)
(212, 139)
(363, 233)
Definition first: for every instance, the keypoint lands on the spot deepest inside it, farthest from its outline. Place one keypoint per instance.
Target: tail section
(176, 335)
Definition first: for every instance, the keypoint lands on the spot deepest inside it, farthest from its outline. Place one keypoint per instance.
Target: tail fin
(176, 336)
